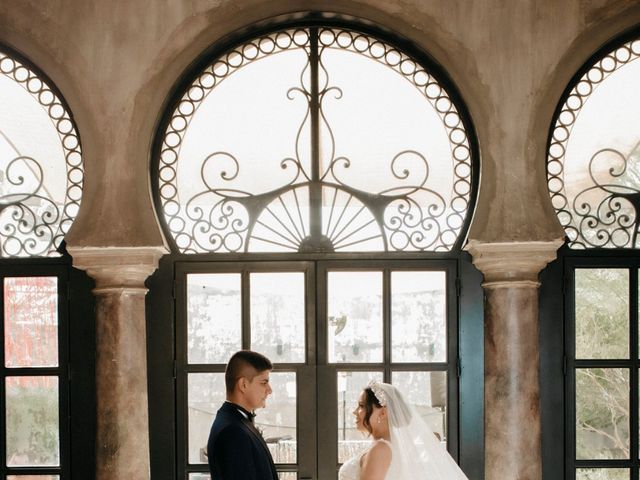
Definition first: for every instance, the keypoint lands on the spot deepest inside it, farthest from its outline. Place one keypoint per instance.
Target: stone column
(511, 353)
(122, 443)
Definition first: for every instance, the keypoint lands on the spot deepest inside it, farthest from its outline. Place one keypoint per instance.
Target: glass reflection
(350, 440)
(31, 321)
(33, 477)
(354, 308)
(32, 422)
(418, 316)
(214, 313)
(602, 474)
(278, 315)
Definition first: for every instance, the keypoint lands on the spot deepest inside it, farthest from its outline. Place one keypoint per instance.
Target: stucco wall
(115, 62)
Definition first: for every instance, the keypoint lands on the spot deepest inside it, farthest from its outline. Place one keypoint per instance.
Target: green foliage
(602, 394)
(602, 313)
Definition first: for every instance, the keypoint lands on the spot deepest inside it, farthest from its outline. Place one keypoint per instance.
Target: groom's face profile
(255, 390)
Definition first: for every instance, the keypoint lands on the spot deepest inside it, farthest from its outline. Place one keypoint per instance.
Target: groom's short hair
(244, 363)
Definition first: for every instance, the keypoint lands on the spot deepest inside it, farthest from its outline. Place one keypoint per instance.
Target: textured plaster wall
(115, 62)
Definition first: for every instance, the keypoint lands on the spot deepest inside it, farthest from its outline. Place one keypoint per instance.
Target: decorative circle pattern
(33, 221)
(604, 212)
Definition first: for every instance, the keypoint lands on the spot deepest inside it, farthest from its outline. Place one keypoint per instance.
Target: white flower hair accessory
(378, 391)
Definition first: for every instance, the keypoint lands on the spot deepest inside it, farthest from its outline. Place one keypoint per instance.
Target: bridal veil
(417, 453)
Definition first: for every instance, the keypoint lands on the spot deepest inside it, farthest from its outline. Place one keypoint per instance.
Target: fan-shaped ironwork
(316, 207)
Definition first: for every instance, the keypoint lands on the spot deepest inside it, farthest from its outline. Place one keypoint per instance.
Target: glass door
(329, 327)
(602, 368)
(266, 307)
(385, 321)
(33, 374)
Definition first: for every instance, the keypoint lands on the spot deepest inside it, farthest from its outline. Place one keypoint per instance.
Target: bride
(403, 446)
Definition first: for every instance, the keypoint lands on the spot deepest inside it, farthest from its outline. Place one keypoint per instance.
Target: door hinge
(458, 367)
(458, 286)
(175, 369)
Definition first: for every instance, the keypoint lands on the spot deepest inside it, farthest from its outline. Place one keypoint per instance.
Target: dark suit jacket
(236, 450)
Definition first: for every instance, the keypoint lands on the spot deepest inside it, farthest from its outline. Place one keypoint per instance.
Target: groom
(236, 449)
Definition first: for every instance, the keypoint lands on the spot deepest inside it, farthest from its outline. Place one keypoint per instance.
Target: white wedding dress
(416, 453)
(350, 469)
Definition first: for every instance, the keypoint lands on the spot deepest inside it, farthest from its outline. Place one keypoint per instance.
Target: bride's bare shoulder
(378, 446)
(378, 456)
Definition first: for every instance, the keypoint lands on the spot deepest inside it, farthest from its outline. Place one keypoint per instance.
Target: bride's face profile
(368, 412)
(360, 412)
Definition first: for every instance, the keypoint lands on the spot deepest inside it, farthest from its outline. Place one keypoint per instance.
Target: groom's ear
(241, 384)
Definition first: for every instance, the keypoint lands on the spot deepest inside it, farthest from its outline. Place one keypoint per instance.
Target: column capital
(117, 268)
(512, 263)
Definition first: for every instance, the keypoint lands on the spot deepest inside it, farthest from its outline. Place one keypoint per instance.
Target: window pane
(199, 476)
(602, 413)
(31, 321)
(33, 477)
(33, 435)
(206, 476)
(602, 313)
(287, 476)
(277, 421)
(602, 474)
(419, 316)
(205, 396)
(278, 316)
(214, 311)
(427, 392)
(350, 440)
(354, 316)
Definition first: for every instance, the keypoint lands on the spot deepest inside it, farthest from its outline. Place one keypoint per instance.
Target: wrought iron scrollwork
(34, 218)
(408, 215)
(609, 209)
(605, 211)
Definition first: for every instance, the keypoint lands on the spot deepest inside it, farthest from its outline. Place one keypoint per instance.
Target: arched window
(41, 177)
(315, 139)
(594, 181)
(316, 182)
(40, 164)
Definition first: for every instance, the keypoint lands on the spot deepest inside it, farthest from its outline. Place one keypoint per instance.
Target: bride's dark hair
(370, 401)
